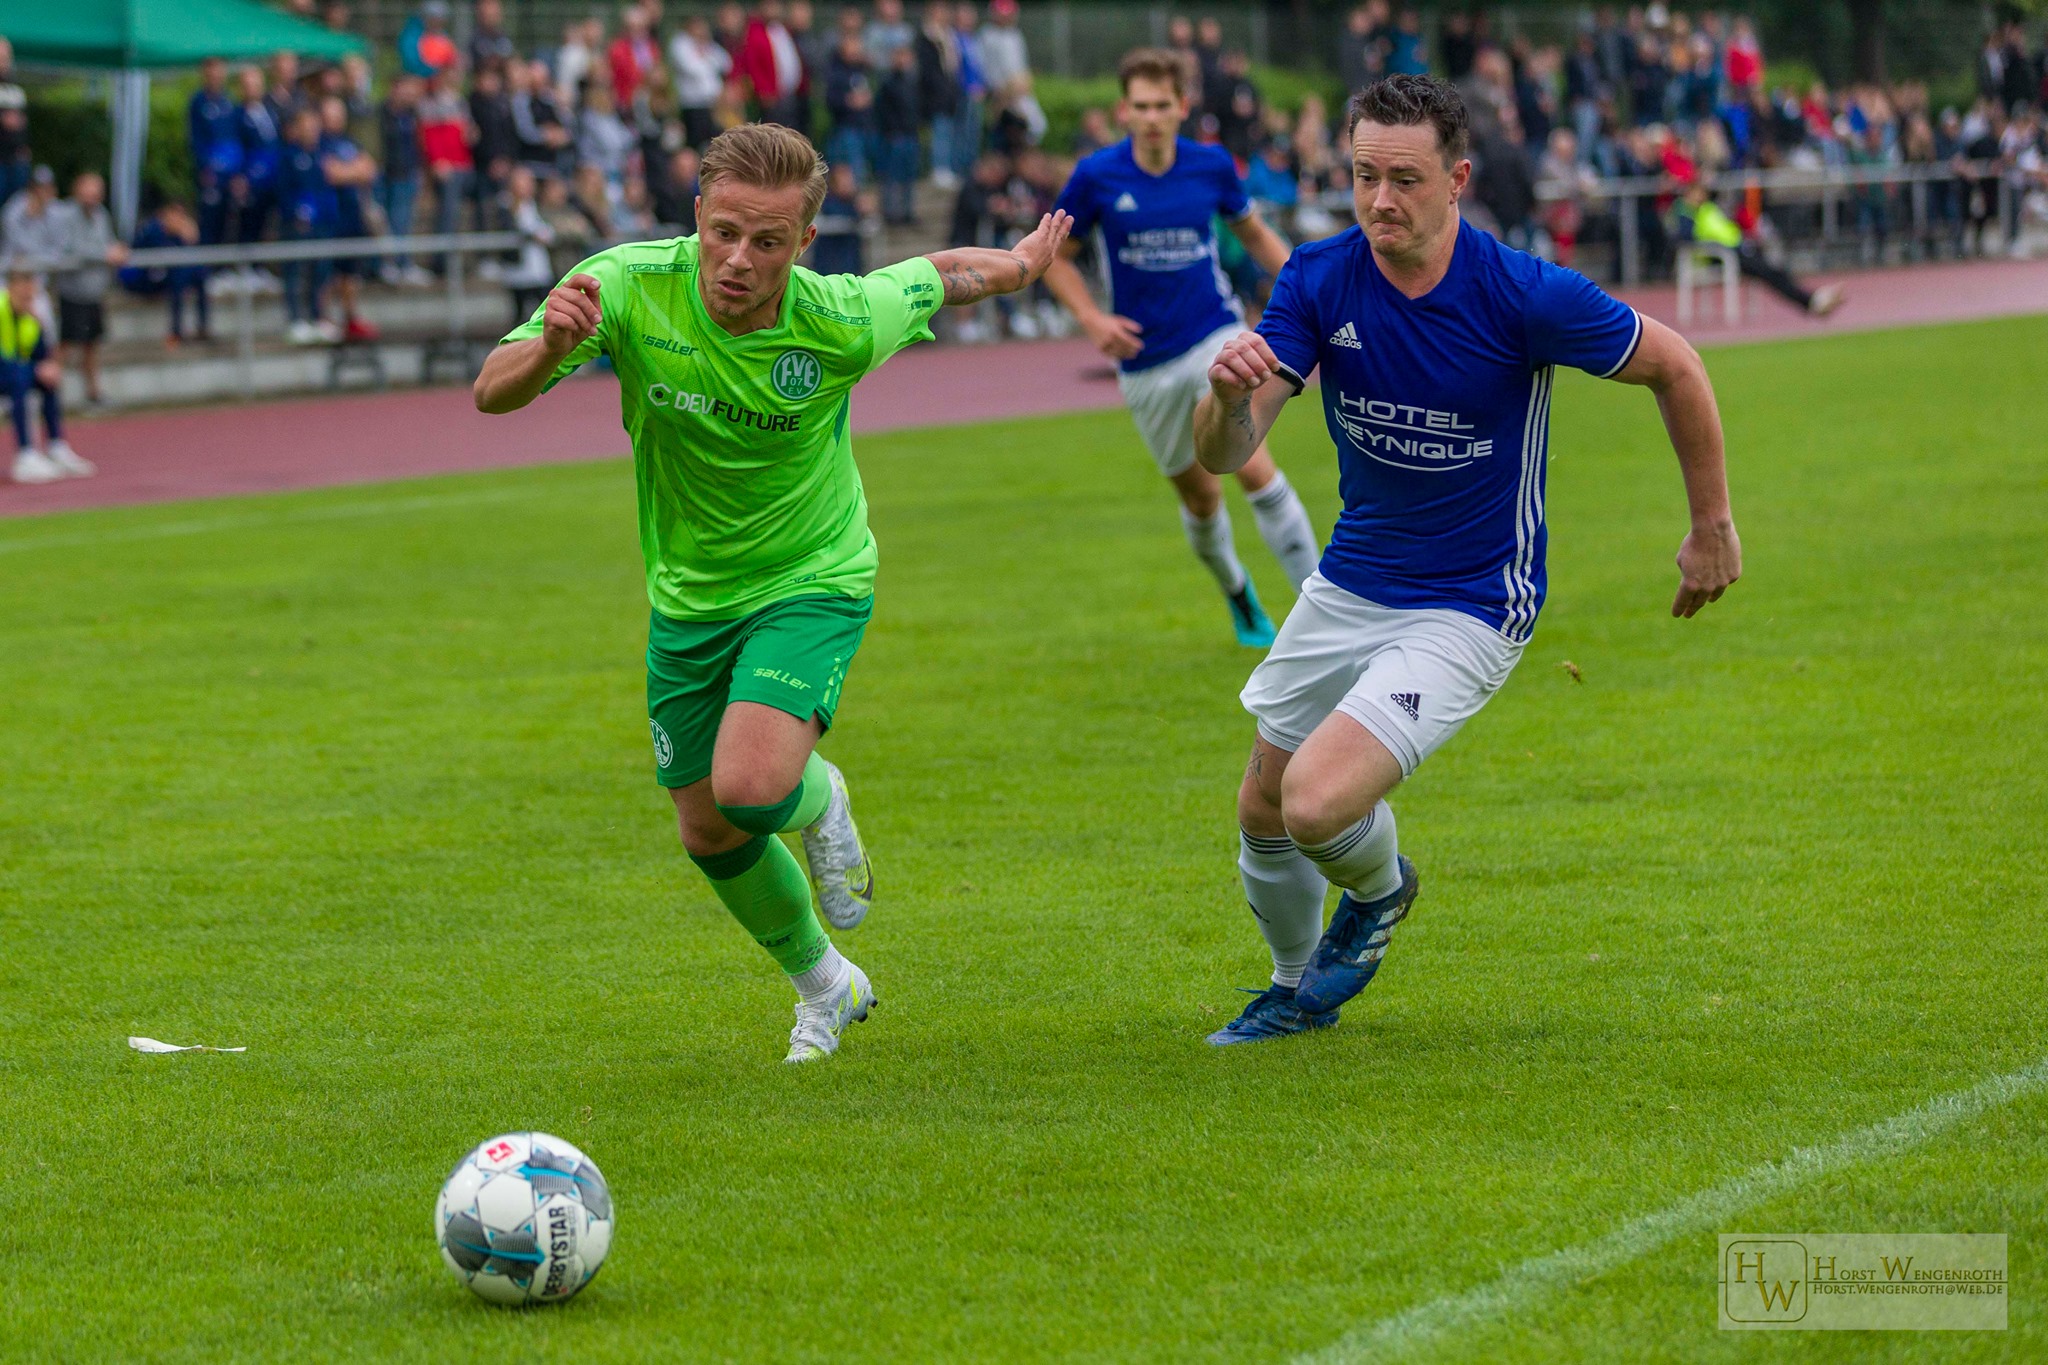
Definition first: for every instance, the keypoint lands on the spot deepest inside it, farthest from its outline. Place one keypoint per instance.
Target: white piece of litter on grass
(152, 1045)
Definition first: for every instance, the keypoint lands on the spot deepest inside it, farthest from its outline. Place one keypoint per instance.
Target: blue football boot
(1271, 1014)
(1254, 628)
(1351, 948)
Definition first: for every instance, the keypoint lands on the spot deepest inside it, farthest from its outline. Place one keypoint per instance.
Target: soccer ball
(525, 1218)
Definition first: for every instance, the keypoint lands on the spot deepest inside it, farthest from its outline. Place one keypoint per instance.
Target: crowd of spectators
(1653, 94)
(594, 137)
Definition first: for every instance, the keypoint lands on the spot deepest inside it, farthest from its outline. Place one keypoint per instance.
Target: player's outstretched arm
(1710, 558)
(973, 273)
(515, 373)
(1247, 388)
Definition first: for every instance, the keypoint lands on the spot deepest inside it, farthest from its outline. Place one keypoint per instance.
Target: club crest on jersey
(1347, 335)
(1125, 203)
(796, 375)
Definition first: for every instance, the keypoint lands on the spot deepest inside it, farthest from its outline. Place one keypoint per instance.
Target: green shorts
(790, 655)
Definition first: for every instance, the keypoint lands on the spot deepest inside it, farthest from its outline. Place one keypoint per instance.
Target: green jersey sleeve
(901, 300)
(609, 270)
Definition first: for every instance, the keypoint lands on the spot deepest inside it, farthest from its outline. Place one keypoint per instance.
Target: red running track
(363, 438)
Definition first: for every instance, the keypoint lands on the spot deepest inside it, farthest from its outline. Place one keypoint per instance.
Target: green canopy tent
(133, 37)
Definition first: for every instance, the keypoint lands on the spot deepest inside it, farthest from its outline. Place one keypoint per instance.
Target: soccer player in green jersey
(735, 368)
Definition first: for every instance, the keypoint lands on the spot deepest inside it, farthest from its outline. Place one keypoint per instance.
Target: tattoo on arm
(1241, 418)
(964, 284)
(967, 283)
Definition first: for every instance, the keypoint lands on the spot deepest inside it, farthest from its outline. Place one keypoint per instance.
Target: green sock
(812, 795)
(763, 885)
(802, 806)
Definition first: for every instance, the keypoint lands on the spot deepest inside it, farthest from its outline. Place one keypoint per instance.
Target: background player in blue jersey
(1156, 197)
(1436, 345)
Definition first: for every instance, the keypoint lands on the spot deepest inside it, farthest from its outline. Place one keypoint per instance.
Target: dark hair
(1153, 64)
(1406, 101)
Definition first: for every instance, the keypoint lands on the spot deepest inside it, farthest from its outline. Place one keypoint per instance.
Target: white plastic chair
(1695, 261)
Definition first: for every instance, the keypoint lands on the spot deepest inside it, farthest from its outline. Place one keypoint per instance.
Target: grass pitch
(360, 779)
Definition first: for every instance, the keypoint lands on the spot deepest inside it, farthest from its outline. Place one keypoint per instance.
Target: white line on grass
(330, 512)
(1710, 1209)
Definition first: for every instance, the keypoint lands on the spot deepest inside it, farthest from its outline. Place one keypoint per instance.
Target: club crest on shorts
(796, 374)
(664, 752)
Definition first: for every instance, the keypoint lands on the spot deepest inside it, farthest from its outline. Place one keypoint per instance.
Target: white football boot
(32, 466)
(816, 1035)
(839, 862)
(70, 461)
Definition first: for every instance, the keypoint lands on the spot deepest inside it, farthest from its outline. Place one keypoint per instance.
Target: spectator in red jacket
(772, 67)
(633, 54)
(446, 136)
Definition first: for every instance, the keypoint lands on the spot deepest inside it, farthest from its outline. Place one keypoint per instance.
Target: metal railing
(1828, 187)
(454, 246)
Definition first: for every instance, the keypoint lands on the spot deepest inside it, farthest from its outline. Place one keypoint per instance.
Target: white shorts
(1162, 400)
(1410, 677)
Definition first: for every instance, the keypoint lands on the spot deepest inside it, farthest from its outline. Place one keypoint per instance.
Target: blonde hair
(768, 156)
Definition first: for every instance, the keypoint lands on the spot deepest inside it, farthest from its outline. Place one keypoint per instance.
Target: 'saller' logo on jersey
(1347, 335)
(664, 752)
(796, 375)
(1126, 204)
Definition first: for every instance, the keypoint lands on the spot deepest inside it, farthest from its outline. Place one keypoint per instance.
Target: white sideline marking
(1709, 1209)
(337, 512)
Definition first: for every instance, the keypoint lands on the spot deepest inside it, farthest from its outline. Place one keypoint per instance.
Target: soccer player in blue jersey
(1156, 197)
(1436, 345)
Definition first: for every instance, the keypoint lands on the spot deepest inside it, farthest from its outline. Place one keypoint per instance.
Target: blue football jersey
(1159, 234)
(1440, 410)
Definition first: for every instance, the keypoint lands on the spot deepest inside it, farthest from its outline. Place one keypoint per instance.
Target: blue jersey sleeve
(1079, 201)
(1290, 325)
(1569, 320)
(1231, 200)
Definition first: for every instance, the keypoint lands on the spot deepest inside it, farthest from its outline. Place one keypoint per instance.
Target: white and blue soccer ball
(524, 1218)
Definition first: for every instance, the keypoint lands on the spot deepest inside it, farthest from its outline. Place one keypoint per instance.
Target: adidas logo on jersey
(1347, 335)
(1126, 204)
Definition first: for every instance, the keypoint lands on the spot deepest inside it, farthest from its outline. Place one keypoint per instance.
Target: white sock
(1210, 540)
(1284, 526)
(1364, 859)
(826, 978)
(1286, 895)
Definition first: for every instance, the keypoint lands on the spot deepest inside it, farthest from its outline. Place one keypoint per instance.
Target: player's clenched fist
(1244, 363)
(572, 314)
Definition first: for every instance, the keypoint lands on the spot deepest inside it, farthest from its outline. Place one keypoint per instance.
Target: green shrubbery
(1065, 98)
(72, 130)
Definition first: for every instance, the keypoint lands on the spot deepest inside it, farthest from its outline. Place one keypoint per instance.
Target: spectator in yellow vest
(27, 366)
(1697, 218)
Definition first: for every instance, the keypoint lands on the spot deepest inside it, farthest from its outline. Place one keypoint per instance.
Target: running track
(363, 438)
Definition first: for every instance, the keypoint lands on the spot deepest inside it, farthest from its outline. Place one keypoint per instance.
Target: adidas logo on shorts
(1347, 335)
(1411, 702)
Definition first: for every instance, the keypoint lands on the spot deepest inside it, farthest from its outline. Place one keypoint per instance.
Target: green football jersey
(748, 490)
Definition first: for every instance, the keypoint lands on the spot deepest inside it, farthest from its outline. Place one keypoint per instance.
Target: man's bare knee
(704, 830)
(1258, 471)
(1200, 491)
(1257, 813)
(1258, 797)
(1319, 805)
